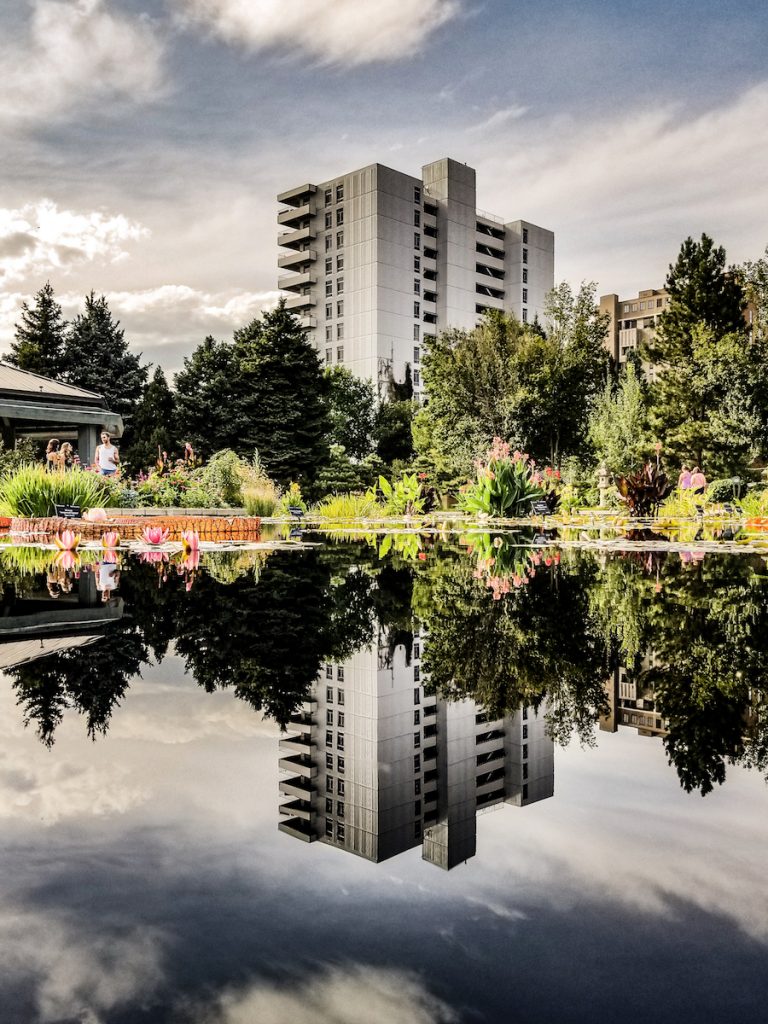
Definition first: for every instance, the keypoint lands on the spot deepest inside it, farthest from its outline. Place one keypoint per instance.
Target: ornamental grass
(31, 491)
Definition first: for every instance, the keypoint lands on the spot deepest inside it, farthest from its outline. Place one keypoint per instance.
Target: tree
(279, 396)
(753, 278)
(97, 358)
(205, 416)
(153, 425)
(394, 418)
(351, 404)
(39, 337)
(618, 425)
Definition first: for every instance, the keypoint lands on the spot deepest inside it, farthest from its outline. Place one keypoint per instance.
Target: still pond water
(366, 781)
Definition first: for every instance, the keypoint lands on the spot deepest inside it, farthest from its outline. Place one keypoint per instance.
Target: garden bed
(131, 527)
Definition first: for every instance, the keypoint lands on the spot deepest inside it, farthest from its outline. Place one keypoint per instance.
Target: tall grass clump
(31, 491)
(340, 507)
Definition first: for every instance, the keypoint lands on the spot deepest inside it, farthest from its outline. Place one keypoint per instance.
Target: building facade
(374, 765)
(633, 322)
(376, 261)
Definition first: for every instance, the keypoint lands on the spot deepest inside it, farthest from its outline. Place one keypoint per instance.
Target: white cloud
(500, 117)
(348, 32)
(77, 51)
(39, 237)
(337, 996)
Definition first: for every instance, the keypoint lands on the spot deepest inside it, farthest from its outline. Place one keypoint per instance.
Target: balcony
(302, 721)
(299, 763)
(296, 239)
(430, 318)
(489, 250)
(297, 786)
(297, 809)
(487, 290)
(297, 196)
(430, 297)
(292, 260)
(298, 829)
(296, 215)
(295, 282)
(485, 270)
(308, 322)
(297, 745)
(300, 302)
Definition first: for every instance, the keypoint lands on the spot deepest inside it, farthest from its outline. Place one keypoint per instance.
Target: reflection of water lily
(67, 540)
(155, 535)
(192, 560)
(190, 540)
(110, 539)
(67, 558)
(153, 556)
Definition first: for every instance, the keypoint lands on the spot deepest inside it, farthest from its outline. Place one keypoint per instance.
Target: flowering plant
(507, 482)
(502, 566)
(155, 535)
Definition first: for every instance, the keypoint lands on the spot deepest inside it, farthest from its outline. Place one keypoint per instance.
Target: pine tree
(153, 425)
(351, 404)
(97, 357)
(39, 344)
(204, 398)
(280, 398)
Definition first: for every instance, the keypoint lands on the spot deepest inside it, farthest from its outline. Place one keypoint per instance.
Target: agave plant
(642, 492)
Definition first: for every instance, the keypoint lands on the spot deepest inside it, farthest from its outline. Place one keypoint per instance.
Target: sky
(145, 141)
(143, 878)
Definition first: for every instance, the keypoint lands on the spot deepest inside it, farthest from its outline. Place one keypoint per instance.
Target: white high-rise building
(376, 261)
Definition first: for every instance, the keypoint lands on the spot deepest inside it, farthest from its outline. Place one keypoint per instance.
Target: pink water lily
(110, 539)
(155, 535)
(190, 540)
(67, 560)
(95, 515)
(67, 540)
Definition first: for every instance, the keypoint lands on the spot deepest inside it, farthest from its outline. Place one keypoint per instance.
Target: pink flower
(95, 515)
(67, 540)
(192, 560)
(422, 556)
(557, 474)
(110, 539)
(155, 535)
(190, 540)
(153, 556)
(67, 559)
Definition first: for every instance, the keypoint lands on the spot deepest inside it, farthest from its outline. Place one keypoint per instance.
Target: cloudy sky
(144, 141)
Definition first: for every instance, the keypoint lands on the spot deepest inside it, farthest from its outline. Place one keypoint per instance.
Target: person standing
(67, 456)
(684, 480)
(53, 457)
(698, 482)
(107, 457)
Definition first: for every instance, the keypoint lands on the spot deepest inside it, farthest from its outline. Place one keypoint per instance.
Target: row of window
(648, 304)
(329, 264)
(339, 286)
(339, 218)
(330, 782)
(339, 354)
(339, 194)
(339, 740)
(339, 718)
(339, 763)
(329, 240)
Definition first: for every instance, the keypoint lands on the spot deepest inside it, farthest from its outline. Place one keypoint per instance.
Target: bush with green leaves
(401, 497)
(345, 507)
(31, 491)
(22, 453)
(725, 490)
(507, 482)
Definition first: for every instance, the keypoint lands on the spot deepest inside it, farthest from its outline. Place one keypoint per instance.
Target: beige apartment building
(632, 321)
(376, 261)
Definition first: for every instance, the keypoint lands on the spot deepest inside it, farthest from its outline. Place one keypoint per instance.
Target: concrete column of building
(451, 186)
(87, 439)
(453, 838)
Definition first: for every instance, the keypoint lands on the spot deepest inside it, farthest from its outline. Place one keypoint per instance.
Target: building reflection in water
(375, 766)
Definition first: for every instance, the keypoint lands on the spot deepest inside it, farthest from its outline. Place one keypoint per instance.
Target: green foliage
(11, 459)
(152, 426)
(346, 507)
(506, 483)
(753, 278)
(341, 473)
(39, 339)
(618, 424)
(351, 404)
(261, 498)
(97, 358)
(724, 490)
(402, 497)
(206, 415)
(31, 491)
(291, 498)
(223, 476)
(393, 421)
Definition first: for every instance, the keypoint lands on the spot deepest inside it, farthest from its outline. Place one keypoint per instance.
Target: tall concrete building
(376, 261)
(632, 321)
(375, 766)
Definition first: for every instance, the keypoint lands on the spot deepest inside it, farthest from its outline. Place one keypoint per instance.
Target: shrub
(681, 505)
(755, 503)
(261, 498)
(402, 497)
(644, 491)
(13, 458)
(507, 483)
(31, 491)
(223, 476)
(724, 490)
(291, 499)
(349, 506)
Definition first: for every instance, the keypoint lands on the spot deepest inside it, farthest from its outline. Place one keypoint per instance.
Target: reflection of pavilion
(378, 767)
(34, 626)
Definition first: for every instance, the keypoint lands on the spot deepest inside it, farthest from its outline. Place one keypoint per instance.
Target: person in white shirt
(107, 457)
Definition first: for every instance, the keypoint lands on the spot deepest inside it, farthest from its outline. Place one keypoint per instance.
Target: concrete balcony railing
(300, 302)
(308, 322)
(294, 282)
(296, 215)
(297, 787)
(300, 744)
(296, 239)
(297, 809)
(300, 764)
(293, 260)
(297, 196)
(298, 829)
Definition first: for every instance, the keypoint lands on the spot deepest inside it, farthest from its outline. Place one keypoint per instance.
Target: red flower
(422, 556)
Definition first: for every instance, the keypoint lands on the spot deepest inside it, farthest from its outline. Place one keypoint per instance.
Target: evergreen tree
(392, 430)
(39, 338)
(97, 358)
(351, 404)
(618, 429)
(153, 425)
(204, 398)
(280, 398)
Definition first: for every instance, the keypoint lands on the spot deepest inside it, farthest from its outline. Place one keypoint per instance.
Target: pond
(408, 778)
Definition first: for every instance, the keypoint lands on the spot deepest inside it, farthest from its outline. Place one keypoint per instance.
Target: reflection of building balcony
(294, 282)
(297, 809)
(296, 215)
(299, 829)
(299, 763)
(297, 196)
(294, 260)
(296, 239)
(297, 786)
(297, 745)
(300, 302)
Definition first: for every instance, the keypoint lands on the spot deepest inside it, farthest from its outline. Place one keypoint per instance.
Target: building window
(329, 695)
(416, 673)
(329, 716)
(329, 761)
(340, 694)
(417, 762)
(525, 294)
(525, 255)
(416, 240)
(339, 336)
(329, 288)
(416, 194)
(417, 717)
(339, 217)
(340, 741)
(328, 783)
(417, 787)
(340, 673)
(417, 807)
(339, 192)
(417, 264)
(417, 830)
(417, 695)
(340, 765)
(525, 792)
(525, 732)
(339, 719)
(329, 828)
(525, 276)
(328, 219)
(339, 809)
(328, 332)
(328, 310)
(416, 349)
(339, 285)
(416, 219)
(328, 805)
(525, 751)
(658, 303)
(328, 242)
(340, 830)
(417, 740)
(525, 714)
(329, 739)
(525, 316)
(417, 288)
(339, 353)
(525, 235)
(340, 308)
(339, 238)
(525, 771)
(328, 197)
(417, 309)
(340, 787)
(416, 378)
(339, 263)
(416, 647)
(329, 265)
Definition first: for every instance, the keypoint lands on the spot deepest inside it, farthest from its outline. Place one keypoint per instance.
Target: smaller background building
(632, 322)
